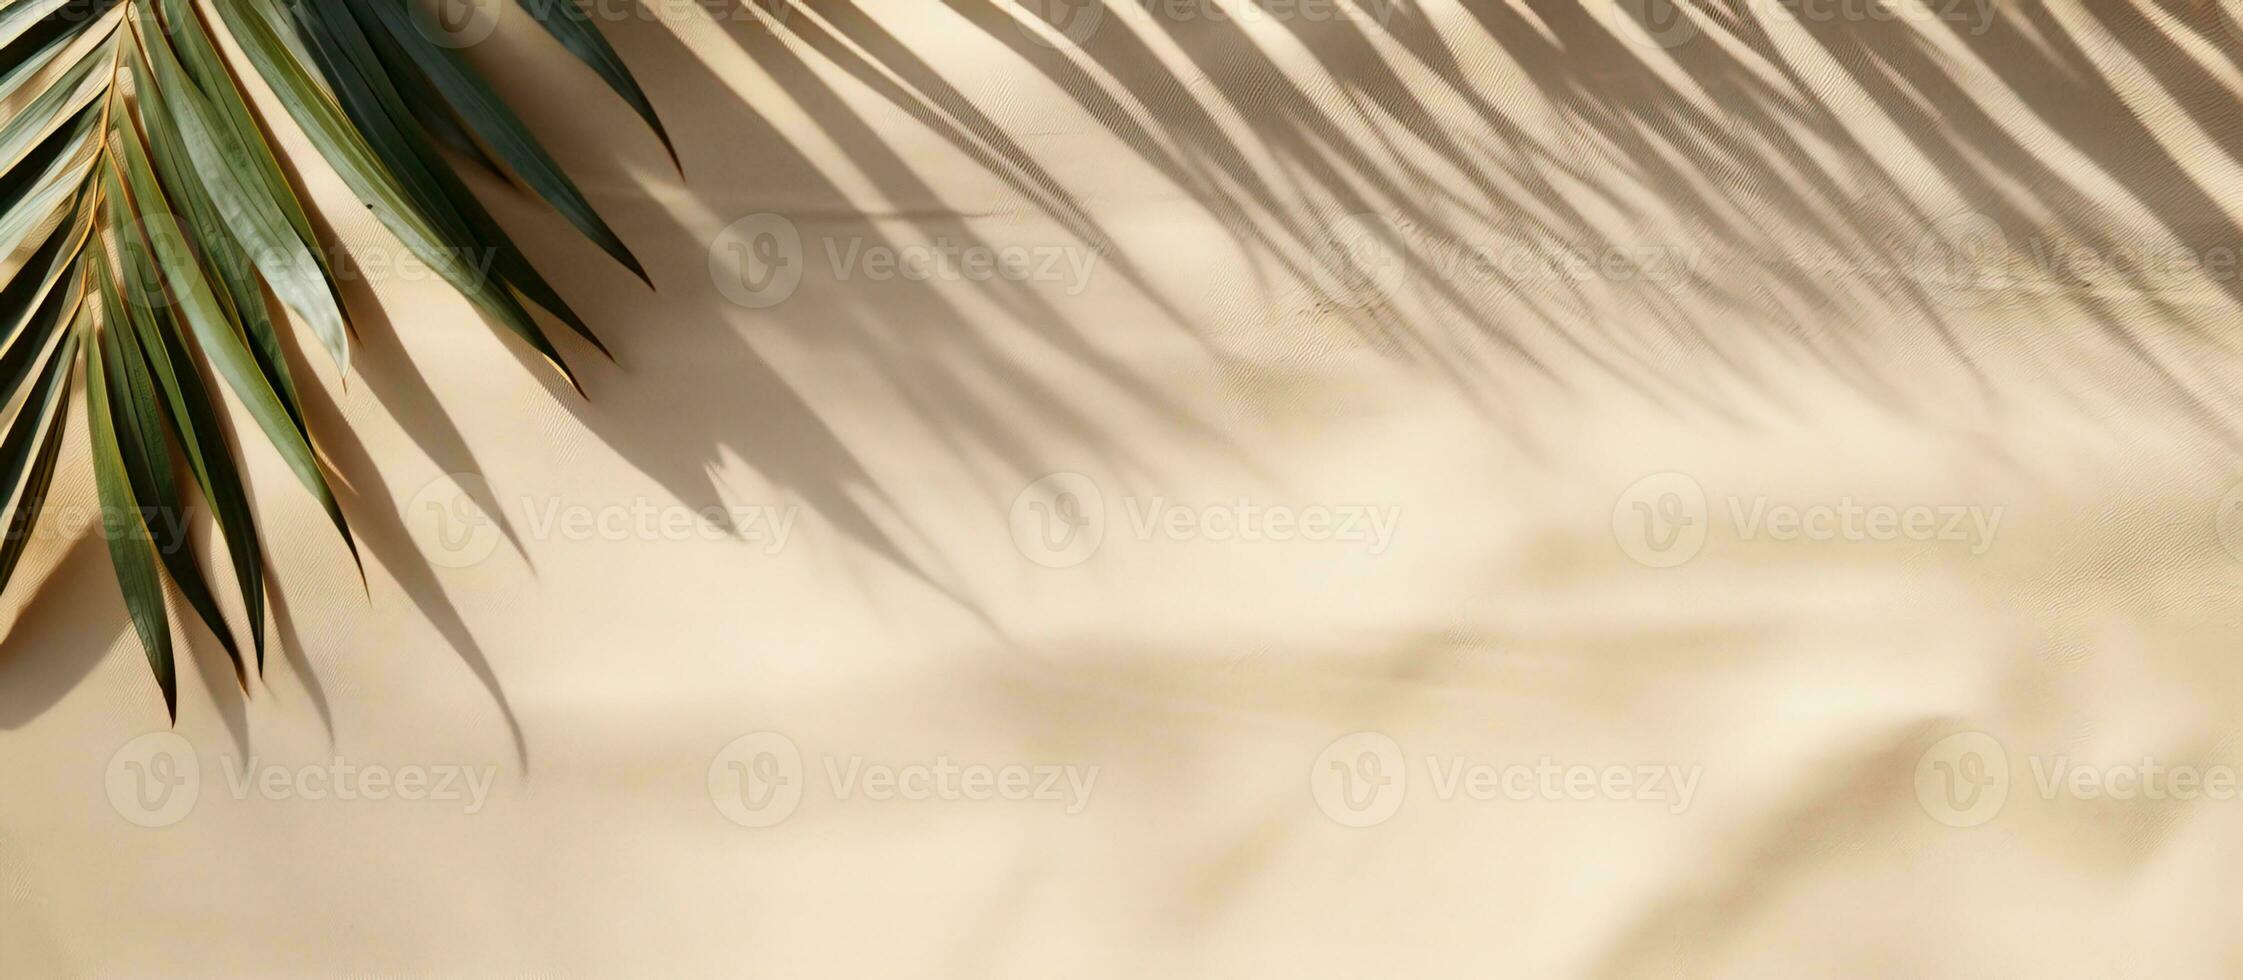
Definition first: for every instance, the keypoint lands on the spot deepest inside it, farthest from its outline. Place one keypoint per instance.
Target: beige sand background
(1579, 306)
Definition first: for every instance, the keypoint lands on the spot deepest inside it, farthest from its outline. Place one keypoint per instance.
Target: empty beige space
(1429, 488)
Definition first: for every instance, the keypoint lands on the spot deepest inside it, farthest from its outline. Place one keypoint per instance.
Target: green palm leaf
(149, 229)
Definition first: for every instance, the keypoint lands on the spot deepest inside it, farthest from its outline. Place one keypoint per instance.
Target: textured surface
(1488, 275)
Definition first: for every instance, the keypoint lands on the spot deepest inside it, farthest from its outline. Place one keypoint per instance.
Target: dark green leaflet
(149, 229)
(129, 548)
(147, 461)
(568, 24)
(28, 453)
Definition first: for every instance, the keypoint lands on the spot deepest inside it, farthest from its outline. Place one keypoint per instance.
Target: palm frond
(146, 221)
